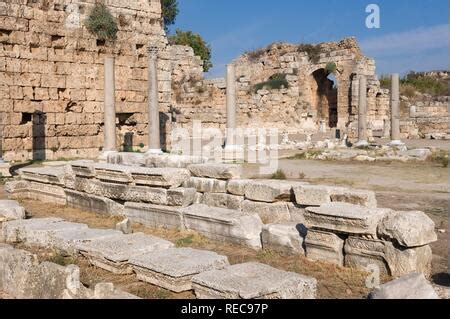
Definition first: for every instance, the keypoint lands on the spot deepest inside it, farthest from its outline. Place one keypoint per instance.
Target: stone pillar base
(397, 144)
(103, 157)
(4, 169)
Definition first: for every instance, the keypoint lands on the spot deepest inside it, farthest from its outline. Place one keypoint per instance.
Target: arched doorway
(324, 89)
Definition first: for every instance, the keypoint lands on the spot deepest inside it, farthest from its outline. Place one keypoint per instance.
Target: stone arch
(324, 96)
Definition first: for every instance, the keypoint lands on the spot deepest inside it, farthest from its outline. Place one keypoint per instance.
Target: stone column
(362, 113)
(395, 110)
(154, 142)
(110, 107)
(231, 106)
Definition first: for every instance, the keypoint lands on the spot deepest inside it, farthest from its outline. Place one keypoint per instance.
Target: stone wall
(309, 102)
(51, 76)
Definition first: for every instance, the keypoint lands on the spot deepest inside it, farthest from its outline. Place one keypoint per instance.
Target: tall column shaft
(362, 110)
(231, 103)
(153, 105)
(395, 107)
(110, 106)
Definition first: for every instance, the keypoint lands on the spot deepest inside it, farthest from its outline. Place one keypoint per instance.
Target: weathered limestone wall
(51, 76)
(309, 99)
(426, 117)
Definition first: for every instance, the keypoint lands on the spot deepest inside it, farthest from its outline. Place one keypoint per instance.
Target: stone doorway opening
(324, 93)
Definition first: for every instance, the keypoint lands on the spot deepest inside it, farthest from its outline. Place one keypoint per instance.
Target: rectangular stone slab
(344, 218)
(224, 224)
(113, 173)
(223, 200)
(68, 241)
(112, 254)
(93, 203)
(270, 190)
(48, 193)
(218, 171)
(269, 212)
(324, 246)
(174, 268)
(361, 253)
(46, 175)
(253, 281)
(286, 238)
(154, 215)
(172, 160)
(159, 177)
(13, 231)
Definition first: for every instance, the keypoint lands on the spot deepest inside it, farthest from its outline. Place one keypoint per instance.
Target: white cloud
(409, 42)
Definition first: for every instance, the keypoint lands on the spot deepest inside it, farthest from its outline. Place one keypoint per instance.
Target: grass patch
(275, 82)
(62, 260)
(279, 174)
(313, 51)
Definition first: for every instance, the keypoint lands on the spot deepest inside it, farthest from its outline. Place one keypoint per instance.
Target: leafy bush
(275, 82)
(101, 23)
(196, 42)
(169, 12)
(312, 50)
(331, 68)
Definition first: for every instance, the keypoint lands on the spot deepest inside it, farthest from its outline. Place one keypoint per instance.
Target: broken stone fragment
(408, 229)
(124, 226)
(270, 190)
(11, 210)
(286, 238)
(411, 286)
(268, 212)
(324, 246)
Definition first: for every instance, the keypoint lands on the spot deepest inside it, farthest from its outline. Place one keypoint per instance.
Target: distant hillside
(435, 83)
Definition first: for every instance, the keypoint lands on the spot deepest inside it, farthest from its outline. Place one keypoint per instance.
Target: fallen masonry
(173, 269)
(253, 281)
(411, 286)
(11, 210)
(338, 225)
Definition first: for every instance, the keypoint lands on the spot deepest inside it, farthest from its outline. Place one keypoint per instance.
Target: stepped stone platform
(253, 281)
(174, 268)
(113, 254)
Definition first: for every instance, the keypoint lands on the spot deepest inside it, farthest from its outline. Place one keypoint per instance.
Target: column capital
(153, 51)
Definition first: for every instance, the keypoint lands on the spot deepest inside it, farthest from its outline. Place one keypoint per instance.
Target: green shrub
(279, 174)
(169, 12)
(331, 68)
(313, 51)
(101, 23)
(196, 42)
(418, 82)
(275, 82)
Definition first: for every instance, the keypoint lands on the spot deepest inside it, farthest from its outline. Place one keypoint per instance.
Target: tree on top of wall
(101, 23)
(169, 12)
(196, 42)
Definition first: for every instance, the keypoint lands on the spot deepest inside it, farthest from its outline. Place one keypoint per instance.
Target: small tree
(169, 12)
(101, 23)
(196, 42)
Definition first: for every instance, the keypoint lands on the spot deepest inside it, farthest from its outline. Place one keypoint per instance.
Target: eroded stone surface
(172, 160)
(345, 218)
(237, 186)
(411, 286)
(11, 210)
(362, 253)
(206, 185)
(217, 171)
(286, 238)
(253, 281)
(224, 224)
(324, 246)
(181, 196)
(269, 212)
(270, 190)
(174, 268)
(223, 200)
(154, 215)
(113, 254)
(47, 175)
(409, 229)
(93, 203)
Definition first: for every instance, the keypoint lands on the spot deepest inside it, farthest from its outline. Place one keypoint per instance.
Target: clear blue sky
(414, 34)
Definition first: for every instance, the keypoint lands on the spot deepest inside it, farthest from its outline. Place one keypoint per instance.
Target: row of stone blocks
(155, 261)
(343, 226)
